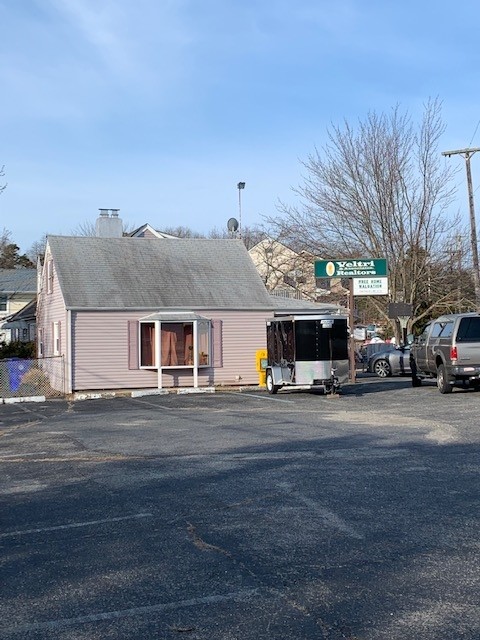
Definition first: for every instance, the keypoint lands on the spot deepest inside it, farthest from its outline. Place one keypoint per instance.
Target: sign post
(401, 311)
(351, 322)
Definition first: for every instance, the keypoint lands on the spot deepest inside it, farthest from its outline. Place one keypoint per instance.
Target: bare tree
(253, 235)
(382, 190)
(250, 235)
(182, 232)
(37, 250)
(87, 228)
(2, 175)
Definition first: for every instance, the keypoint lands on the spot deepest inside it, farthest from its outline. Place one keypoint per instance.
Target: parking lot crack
(200, 544)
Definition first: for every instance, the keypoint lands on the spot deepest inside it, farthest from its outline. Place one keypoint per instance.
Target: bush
(17, 350)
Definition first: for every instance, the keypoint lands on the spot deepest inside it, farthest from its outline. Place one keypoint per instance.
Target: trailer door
(315, 342)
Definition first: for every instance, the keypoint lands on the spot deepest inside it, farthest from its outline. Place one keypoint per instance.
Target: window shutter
(133, 344)
(50, 276)
(217, 340)
(59, 338)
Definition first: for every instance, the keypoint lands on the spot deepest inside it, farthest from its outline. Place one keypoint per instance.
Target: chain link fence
(20, 378)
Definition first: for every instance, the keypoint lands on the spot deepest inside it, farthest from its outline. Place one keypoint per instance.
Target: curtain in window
(169, 347)
(188, 340)
(203, 343)
(148, 344)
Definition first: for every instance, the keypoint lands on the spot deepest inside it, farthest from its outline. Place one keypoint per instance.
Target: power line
(474, 133)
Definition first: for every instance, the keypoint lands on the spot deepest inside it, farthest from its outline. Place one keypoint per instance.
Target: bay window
(175, 344)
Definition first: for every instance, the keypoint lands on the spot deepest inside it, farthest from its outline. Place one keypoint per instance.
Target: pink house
(143, 312)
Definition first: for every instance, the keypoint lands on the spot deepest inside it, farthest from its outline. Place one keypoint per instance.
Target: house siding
(101, 359)
(243, 334)
(101, 348)
(147, 234)
(51, 309)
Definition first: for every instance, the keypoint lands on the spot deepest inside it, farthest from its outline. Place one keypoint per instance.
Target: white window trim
(151, 367)
(56, 338)
(41, 343)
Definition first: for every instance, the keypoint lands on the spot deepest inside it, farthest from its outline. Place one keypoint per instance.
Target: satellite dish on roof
(232, 225)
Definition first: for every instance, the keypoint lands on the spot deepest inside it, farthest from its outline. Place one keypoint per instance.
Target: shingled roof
(20, 280)
(148, 273)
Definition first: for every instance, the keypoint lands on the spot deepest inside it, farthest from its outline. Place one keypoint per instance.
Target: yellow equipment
(261, 365)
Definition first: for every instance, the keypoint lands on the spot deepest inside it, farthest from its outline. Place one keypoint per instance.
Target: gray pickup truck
(448, 350)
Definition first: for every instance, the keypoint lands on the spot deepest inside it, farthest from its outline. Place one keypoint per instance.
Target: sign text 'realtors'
(350, 268)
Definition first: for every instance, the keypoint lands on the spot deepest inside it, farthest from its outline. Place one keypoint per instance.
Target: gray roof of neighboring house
(21, 280)
(292, 305)
(146, 273)
(159, 234)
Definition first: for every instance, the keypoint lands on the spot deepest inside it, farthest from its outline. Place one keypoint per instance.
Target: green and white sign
(363, 268)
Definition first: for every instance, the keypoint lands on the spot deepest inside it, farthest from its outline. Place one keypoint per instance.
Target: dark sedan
(390, 362)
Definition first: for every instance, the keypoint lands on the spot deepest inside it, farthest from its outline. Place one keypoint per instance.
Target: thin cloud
(162, 106)
(101, 24)
(128, 38)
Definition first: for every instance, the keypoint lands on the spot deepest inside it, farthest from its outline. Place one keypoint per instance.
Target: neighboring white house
(290, 273)
(18, 287)
(147, 231)
(22, 324)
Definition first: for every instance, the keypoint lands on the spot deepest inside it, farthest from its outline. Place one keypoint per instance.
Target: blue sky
(160, 107)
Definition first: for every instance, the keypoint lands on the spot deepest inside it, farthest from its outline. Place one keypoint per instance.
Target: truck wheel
(442, 380)
(271, 388)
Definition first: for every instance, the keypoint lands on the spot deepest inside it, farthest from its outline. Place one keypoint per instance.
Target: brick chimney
(108, 224)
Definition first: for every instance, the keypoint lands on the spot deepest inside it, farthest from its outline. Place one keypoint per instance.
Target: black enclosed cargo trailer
(307, 351)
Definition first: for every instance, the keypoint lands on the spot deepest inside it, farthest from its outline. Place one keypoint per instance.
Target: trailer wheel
(271, 388)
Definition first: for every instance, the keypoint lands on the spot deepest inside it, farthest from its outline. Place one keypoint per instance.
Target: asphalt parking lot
(239, 515)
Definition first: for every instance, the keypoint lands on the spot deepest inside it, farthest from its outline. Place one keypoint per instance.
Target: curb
(23, 399)
(138, 393)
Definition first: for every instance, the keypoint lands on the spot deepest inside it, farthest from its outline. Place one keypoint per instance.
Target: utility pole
(467, 154)
(459, 265)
